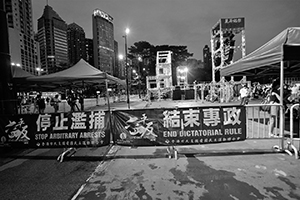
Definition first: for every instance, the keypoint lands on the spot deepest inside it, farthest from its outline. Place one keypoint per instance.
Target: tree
(148, 52)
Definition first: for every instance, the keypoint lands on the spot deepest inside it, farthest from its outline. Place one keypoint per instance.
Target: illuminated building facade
(23, 48)
(89, 51)
(103, 39)
(52, 38)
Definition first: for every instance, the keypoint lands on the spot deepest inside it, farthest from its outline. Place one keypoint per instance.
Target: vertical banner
(182, 126)
(236, 24)
(56, 130)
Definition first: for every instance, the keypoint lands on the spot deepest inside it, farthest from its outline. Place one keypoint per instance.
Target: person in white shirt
(244, 95)
(295, 89)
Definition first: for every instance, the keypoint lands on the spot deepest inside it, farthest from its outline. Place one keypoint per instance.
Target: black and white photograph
(149, 99)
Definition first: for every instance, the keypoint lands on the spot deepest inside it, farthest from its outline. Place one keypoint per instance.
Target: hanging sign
(54, 130)
(184, 126)
(233, 24)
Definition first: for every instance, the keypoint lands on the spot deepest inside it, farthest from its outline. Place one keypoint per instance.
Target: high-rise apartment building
(116, 68)
(89, 51)
(76, 43)
(52, 38)
(23, 48)
(207, 56)
(103, 37)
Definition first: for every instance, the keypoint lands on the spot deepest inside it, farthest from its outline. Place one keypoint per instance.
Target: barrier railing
(258, 122)
(290, 144)
(134, 127)
(259, 127)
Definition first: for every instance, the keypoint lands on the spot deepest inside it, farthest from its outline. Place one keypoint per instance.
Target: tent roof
(19, 73)
(266, 59)
(81, 71)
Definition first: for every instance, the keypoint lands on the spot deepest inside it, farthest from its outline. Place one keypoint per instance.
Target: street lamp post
(126, 67)
(139, 75)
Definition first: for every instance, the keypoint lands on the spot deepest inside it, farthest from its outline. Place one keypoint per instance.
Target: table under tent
(78, 76)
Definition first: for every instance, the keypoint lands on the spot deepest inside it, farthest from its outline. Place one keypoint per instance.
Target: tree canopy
(180, 56)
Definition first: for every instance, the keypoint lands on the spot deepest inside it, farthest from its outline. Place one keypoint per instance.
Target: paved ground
(148, 173)
(250, 169)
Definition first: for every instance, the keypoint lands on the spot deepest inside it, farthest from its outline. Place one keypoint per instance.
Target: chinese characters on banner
(77, 129)
(235, 24)
(184, 126)
(145, 127)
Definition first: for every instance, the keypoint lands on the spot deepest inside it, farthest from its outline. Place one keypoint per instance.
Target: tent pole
(107, 94)
(281, 118)
(112, 140)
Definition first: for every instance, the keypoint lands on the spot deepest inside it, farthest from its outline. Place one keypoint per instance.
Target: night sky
(179, 22)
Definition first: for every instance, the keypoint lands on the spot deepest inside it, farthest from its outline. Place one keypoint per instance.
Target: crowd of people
(267, 93)
(37, 103)
(270, 94)
(74, 99)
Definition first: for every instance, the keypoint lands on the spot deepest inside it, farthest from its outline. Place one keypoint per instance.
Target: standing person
(274, 99)
(81, 101)
(244, 94)
(72, 101)
(55, 102)
(97, 98)
(48, 100)
(41, 104)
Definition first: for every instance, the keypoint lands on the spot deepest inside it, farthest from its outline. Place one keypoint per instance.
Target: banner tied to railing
(143, 127)
(55, 130)
(182, 126)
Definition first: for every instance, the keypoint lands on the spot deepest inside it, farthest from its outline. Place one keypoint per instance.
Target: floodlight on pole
(126, 67)
(39, 70)
(121, 57)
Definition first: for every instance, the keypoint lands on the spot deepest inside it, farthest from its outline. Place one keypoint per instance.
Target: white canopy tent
(81, 71)
(267, 60)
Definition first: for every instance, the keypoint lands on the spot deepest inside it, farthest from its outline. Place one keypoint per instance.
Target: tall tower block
(223, 42)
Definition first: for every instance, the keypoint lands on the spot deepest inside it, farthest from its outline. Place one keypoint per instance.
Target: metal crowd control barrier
(258, 125)
(290, 144)
(257, 128)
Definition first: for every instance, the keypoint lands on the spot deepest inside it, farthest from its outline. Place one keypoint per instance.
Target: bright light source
(39, 69)
(13, 64)
(127, 31)
(121, 57)
(18, 65)
(139, 58)
(134, 71)
(186, 69)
